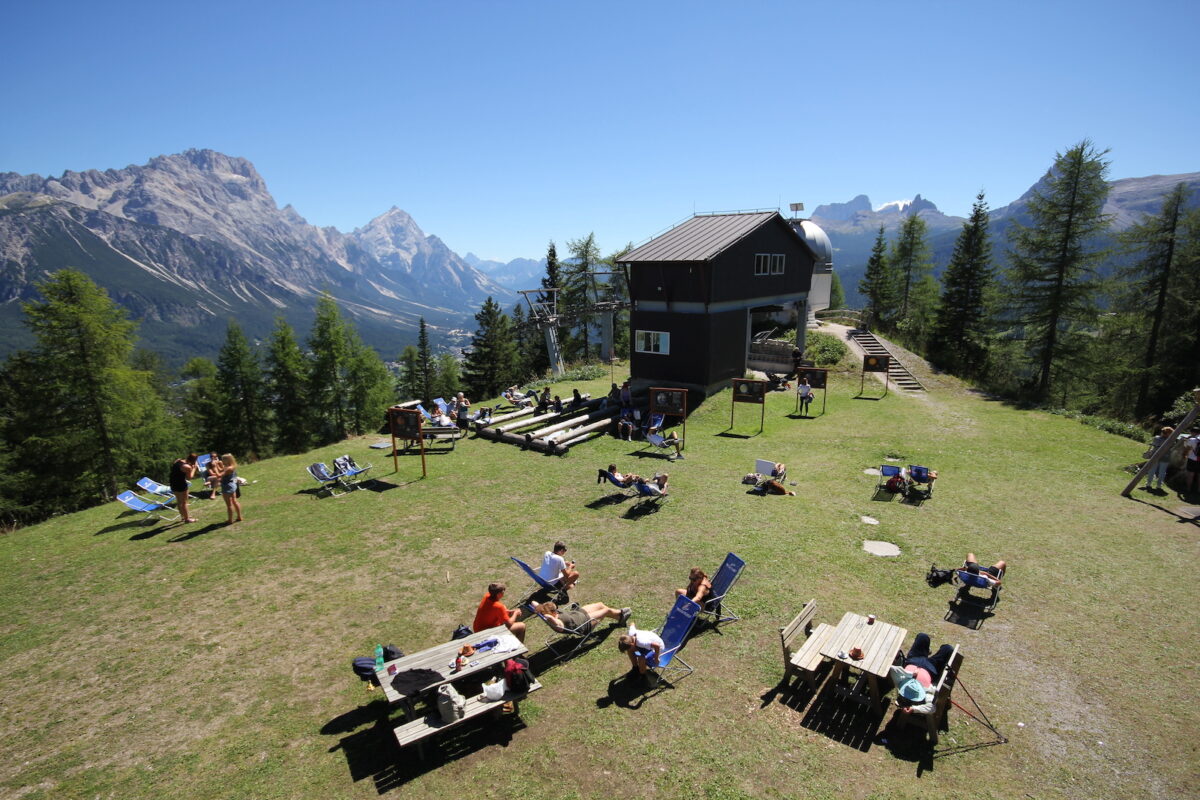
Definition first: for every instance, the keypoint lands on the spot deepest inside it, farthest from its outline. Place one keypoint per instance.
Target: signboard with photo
(406, 423)
(816, 377)
(668, 401)
(876, 363)
(746, 390)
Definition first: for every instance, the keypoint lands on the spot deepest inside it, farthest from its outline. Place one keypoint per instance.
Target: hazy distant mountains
(520, 273)
(191, 240)
(852, 226)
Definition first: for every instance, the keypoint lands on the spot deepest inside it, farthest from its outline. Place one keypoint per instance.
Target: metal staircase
(898, 374)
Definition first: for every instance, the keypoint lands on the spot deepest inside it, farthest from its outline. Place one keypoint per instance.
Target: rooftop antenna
(796, 209)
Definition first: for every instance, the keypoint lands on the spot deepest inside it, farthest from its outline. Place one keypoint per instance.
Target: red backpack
(516, 675)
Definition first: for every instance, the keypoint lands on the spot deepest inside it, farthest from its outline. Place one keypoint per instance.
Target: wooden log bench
(806, 660)
(417, 730)
(437, 433)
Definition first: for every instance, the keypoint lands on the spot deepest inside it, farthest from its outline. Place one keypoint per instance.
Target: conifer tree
(577, 292)
(1143, 295)
(287, 379)
(241, 397)
(200, 405)
(449, 376)
(408, 384)
(909, 262)
(962, 327)
(492, 363)
(369, 388)
(426, 368)
(77, 420)
(326, 372)
(837, 295)
(878, 284)
(1053, 265)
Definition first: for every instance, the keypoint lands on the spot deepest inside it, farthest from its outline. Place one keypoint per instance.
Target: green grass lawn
(206, 661)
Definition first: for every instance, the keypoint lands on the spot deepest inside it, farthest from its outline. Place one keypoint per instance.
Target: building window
(653, 342)
(777, 263)
(762, 264)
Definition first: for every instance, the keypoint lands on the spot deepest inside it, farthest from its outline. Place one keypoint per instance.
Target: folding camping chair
(767, 469)
(966, 582)
(727, 575)
(544, 590)
(329, 481)
(886, 473)
(348, 471)
(648, 492)
(660, 442)
(921, 476)
(653, 422)
(674, 633)
(558, 638)
(428, 417)
(155, 488)
(628, 491)
(149, 508)
(440, 402)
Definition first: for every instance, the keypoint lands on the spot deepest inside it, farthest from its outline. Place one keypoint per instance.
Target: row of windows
(769, 263)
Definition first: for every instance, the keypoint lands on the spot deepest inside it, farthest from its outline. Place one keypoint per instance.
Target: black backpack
(461, 632)
(391, 652)
(364, 668)
(938, 577)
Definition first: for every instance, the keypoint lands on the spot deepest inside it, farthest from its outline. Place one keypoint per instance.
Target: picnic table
(879, 642)
(420, 673)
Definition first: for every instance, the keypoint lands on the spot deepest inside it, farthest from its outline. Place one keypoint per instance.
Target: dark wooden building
(695, 288)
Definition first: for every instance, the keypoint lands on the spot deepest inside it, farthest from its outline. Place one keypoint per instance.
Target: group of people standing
(220, 474)
(1157, 476)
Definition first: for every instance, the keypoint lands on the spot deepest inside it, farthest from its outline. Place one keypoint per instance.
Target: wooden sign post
(406, 424)
(746, 390)
(875, 364)
(817, 379)
(673, 402)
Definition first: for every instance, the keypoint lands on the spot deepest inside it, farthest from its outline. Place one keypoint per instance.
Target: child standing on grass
(229, 488)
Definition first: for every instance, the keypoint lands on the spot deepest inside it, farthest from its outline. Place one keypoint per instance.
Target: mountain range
(188, 241)
(853, 226)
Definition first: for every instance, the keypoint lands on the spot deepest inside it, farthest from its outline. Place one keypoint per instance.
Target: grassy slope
(145, 661)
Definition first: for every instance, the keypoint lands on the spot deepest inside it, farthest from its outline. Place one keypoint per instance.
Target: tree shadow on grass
(373, 753)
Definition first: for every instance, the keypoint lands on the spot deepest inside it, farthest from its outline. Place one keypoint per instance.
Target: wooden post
(1164, 449)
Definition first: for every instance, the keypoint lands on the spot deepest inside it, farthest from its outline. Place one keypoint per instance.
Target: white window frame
(653, 342)
(778, 261)
(762, 264)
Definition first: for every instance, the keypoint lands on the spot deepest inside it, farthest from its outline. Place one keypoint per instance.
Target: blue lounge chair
(562, 635)
(886, 473)
(329, 480)
(968, 581)
(727, 575)
(428, 417)
(149, 508)
(661, 442)
(440, 402)
(629, 491)
(674, 633)
(648, 493)
(347, 471)
(544, 590)
(921, 476)
(155, 488)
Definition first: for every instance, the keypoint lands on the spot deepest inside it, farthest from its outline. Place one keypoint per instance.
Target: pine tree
(837, 295)
(200, 404)
(1144, 292)
(369, 388)
(492, 363)
(408, 386)
(909, 261)
(1054, 283)
(242, 397)
(78, 421)
(962, 327)
(326, 372)
(425, 366)
(878, 285)
(577, 294)
(287, 380)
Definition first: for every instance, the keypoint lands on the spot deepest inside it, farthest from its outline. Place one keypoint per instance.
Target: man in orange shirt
(492, 612)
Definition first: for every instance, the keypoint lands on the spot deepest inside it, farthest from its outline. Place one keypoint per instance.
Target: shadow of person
(629, 692)
(192, 533)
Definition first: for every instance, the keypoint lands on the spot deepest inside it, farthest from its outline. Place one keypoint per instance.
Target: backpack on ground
(461, 632)
(516, 675)
(450, 704)
(938, 577)
(364, 668)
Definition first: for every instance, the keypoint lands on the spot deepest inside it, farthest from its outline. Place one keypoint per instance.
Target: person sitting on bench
(492, 612)
(556, 404)
(442, 420)
(989, 575)
(656, 485)
(919, 673)
(557, 570)
(576, 399)
(643, 649)
(626, 425)
(698, 588)
(576, 617)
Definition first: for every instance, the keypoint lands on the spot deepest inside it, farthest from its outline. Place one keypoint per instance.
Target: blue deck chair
(544, 590)
(661, 442)
(155, 488)
(440, 402)
(653, 422)
(559, 639)
(886, 473)
(428, 417)
(348, 472)
(921, 476)
(967, 582)
(674, 633)
(727, 575)
(648, 494)
(329, 480)
(149, 508)
(603, 475)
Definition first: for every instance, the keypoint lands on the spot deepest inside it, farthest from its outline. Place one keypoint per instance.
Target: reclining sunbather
(989, 575)
(575, 617)
(656, 485)
(699, 586)
(623, 480)
(918, 674)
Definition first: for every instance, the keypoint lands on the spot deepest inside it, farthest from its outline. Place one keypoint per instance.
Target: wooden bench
(806, 660)
(437, 433)
(417, 730)
(941, 699)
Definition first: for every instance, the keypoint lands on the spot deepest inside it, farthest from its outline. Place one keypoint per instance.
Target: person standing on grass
(805, 395)
(1160, 469)
(1191, 464)
(229, 488)
(182, 472)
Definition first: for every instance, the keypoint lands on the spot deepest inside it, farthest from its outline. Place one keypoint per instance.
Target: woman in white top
(644, 649)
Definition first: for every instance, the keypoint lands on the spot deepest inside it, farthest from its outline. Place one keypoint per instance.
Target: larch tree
(960, 341)
(426, 368)
(578, 292)
(1053, 278)
(408, 384)
(369, 388)
(286, 386)
(910, 262)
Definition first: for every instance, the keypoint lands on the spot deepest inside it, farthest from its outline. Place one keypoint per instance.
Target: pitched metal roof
(700, 238)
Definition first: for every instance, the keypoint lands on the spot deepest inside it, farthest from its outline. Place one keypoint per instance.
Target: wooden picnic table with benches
(880, 642)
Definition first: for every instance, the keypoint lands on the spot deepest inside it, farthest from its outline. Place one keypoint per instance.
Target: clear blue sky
(502, 125)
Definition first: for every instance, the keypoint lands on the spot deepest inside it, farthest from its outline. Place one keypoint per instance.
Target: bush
(823, 349)
(1105, 424)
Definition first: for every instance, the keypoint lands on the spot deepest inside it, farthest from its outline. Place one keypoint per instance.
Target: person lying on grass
(580, 619)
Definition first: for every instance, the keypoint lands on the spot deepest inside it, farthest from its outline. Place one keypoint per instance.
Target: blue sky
(502, 125)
